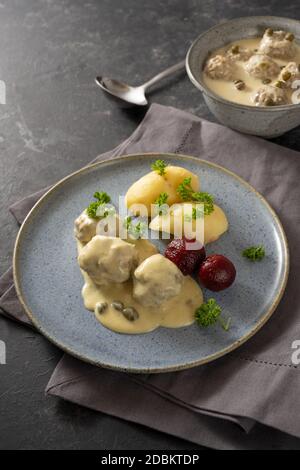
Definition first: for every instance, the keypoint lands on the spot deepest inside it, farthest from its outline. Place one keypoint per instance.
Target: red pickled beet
(186, 254)
(217, 273)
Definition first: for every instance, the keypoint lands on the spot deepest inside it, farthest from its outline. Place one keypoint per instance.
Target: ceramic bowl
(261, 121)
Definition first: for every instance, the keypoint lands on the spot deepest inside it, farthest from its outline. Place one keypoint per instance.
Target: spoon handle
(164, 74)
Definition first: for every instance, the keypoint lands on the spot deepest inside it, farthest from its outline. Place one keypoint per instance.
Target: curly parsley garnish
(209, 313)
(101, 198)
(187, 193)
(127, 222)
(254, 253)
(136, 229)
(105, 211)
(161, 203)
(197, 213)
(159, 166)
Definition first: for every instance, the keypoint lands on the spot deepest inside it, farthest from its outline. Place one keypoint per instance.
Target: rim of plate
(264, 318)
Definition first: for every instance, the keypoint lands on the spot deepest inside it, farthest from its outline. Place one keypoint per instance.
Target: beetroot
(186, 254)
(217, 273)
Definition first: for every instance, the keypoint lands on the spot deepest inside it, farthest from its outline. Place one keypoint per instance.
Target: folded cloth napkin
(260, 375)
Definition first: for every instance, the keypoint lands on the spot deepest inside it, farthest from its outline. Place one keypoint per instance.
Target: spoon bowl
(122, 91)
(133, 95)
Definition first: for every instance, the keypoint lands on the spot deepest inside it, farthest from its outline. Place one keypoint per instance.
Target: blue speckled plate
(49, 282)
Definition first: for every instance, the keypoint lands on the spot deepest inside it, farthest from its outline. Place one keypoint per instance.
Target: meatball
(108, 259)
(85, 227)
(239, 53)
(270, 95)
(156, 280)
(220, 67)
(279, 44)
(261, 66)
(290, 73)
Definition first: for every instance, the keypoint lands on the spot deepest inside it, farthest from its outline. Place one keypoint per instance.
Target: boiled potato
(146, 190)
(214, 224)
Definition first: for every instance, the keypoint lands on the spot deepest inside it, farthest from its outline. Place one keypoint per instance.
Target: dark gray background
(54, 122)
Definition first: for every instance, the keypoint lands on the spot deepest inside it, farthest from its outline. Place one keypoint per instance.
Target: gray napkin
(260, 375)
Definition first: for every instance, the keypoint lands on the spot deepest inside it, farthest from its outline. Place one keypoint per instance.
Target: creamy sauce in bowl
(176, 312)
(227, 89)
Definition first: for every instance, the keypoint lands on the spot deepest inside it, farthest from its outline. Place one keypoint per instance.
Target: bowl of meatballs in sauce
(248, 70)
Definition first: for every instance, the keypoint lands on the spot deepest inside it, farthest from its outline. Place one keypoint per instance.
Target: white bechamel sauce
(227, 90)
(177, 312)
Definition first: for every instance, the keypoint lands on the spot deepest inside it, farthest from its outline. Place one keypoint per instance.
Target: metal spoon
(134, 95)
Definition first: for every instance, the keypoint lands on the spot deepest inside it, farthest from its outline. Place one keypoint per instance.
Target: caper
(289, 37)
(239, 84)
(264, 65)
(266, 81)
(269, 32)
(269, 102)
(279, 84)
(130, 313)
(235, 49)
(286, 75)
(117, 305)
(100, 307)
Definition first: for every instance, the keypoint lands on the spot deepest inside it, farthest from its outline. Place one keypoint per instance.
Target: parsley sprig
(197, 213)
(101, 199)
(209, 313)
(127, 222)
(254, 253)
(159, 166)
(161, 203)
(187, 193)
(135, 228)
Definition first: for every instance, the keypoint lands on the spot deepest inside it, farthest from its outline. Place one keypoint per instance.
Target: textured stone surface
(55, 121)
